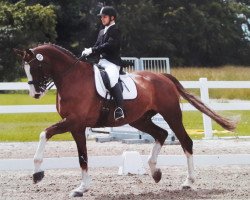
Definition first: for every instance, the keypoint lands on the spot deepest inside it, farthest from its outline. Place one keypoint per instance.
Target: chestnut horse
(79, 106)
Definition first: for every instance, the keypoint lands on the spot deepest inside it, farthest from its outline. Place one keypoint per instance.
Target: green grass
(25, 99)
(27, 127)
(225, 73)
(193, 123)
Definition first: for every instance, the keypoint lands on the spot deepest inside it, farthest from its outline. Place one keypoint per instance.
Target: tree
(189, 32)
(77, 24)
(207, 32)
(22, 26)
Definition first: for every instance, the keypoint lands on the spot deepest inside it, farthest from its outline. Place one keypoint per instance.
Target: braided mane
(61, 49)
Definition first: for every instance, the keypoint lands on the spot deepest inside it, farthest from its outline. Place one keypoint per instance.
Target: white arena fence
(203, 84)
(121, 162)
(159, 65)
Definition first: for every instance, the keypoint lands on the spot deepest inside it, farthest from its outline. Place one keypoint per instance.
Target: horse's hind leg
(174, 119)
(146, 125)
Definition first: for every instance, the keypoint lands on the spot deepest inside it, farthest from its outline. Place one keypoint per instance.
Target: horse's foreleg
(80, 139)
(60, 127)
(190, 177)
(38, 158)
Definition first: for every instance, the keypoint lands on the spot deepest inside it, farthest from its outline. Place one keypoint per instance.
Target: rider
(108, 47)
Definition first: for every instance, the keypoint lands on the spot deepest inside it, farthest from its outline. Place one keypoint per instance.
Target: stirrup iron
(118, 113)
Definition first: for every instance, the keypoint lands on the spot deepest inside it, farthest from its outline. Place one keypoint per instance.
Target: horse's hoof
(38, 176)
(76, 194)
(186, 187)
(157, 175)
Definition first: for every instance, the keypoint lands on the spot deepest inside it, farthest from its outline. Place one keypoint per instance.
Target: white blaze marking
(32, 91)
(27, 71)
(30, 78)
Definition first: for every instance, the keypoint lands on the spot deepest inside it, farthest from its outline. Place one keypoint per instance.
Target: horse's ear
(19, 52)
(24, 54)
(29, 52)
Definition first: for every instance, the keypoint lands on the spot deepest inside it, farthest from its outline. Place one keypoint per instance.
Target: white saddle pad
(129, 87)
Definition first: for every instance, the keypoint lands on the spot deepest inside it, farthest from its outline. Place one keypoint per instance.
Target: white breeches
(112, 71)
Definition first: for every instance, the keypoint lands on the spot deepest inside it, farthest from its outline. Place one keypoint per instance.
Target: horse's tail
(224, 122)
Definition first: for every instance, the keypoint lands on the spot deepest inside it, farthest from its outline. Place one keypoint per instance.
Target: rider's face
(106, 19)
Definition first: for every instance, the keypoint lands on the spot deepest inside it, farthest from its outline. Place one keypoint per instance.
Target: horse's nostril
(37, 96)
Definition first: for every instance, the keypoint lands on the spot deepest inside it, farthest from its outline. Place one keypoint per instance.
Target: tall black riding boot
(116, 92)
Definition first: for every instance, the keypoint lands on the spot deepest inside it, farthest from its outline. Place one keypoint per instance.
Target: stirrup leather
(118, 113)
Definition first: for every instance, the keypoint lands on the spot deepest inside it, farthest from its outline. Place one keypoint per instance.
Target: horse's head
(36, 66)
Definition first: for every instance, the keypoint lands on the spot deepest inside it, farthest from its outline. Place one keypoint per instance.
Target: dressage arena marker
(132, 164)
(117, 161)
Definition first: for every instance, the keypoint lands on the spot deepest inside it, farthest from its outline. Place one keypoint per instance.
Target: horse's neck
(71, 77)
(62, 65)
(66, 71)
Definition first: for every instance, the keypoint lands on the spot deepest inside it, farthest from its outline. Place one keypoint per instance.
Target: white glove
(87, 52)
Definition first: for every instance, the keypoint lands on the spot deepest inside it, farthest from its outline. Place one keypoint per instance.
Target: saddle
(103, 86)
(102, 80)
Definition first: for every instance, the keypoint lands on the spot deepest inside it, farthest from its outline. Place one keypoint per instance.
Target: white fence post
(207, 122)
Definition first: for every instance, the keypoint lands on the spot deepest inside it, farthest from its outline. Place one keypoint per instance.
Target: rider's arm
(112, 43)
(98, 41)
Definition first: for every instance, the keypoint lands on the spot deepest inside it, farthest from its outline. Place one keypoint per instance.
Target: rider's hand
(87, 52)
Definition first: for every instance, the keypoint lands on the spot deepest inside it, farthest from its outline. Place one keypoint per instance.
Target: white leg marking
(152, 160)
(38, 157)
(190, 177)
(84, 186)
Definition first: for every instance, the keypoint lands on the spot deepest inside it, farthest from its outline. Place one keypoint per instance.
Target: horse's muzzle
(37, 96)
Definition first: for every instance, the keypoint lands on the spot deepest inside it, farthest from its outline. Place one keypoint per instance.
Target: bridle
(44, 83)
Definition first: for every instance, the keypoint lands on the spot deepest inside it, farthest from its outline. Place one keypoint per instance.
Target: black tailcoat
(108, 45)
